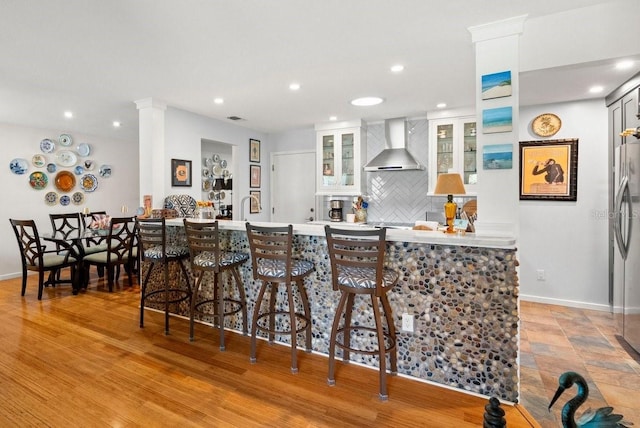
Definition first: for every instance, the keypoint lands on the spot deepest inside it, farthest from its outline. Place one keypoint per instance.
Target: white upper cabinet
(452, 148)
(341, 150)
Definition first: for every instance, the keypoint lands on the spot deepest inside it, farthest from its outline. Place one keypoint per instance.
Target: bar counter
(462, 292)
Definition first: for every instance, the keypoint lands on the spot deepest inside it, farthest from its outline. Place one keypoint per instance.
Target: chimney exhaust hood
(395, 156)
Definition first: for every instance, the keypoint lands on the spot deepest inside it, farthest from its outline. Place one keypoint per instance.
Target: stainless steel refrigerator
(627, 226)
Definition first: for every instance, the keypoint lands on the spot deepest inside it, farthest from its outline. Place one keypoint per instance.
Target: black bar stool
(357, 269)
(153, 249)
(207, 256)
(273, 264)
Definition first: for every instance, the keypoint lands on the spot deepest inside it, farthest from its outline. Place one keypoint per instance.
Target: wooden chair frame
(275, 244)
(207, 256)
(354, 253)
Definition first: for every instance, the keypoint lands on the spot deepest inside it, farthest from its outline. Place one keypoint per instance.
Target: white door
(293, 186)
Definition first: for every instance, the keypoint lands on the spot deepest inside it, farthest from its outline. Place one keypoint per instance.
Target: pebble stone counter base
(463, 298)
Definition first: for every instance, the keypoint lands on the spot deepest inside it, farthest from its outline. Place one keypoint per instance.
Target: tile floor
(555, 339)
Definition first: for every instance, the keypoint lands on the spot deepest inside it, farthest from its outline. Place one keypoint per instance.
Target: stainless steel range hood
(395, 156)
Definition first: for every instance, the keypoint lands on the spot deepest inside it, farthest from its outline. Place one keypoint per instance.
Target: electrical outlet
(540, 275)
(407, 322)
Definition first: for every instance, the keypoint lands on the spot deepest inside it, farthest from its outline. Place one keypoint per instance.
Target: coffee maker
(335, 213)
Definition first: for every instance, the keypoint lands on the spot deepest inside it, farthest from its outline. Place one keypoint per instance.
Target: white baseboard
(569, 303)
(14, 275)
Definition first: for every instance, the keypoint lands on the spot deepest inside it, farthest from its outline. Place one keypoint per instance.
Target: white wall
(294, 140)
(184, 132)
(569, 240)
(20, 201)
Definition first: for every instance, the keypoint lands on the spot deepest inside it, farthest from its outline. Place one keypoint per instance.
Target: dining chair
(155, 251)
(357, 270)
(65, 224)
(36, 258)
(185, 205)
(95, 243)
(119, 240)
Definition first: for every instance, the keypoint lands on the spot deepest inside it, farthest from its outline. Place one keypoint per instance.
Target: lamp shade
(449, 184)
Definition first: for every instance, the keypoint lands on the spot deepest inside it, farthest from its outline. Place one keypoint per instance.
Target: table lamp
(449, 184)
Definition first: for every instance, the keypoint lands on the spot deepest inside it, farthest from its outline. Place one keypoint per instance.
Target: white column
(497, 50)
(153, 171)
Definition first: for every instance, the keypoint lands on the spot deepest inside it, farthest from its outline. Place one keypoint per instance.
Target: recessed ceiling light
(116, 124)
(218, 100)
(68, 114)
(366, 101)
(397, 68)
(441, 105)
(624, 65)
(332, 118)
(596, 89)
(294, 86)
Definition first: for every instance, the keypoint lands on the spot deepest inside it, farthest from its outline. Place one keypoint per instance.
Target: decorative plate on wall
(66, 158)
(77, 198)
(65, 181)
(65, 140)
(51, 167)
(105, 171)
(89, 182)
(65, 200)
(39, 161)
(84, 149)
(51, 198)
(47, 146)
(38, 180)
(546, 125)
(19, 166)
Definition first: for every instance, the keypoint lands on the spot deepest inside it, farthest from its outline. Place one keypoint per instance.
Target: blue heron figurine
(600, 418)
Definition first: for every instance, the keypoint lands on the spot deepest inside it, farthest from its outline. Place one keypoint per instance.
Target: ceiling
(95, 58)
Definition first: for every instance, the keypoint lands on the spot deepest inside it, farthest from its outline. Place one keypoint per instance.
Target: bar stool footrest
(299, 316)
(184, 295)
(340, 341)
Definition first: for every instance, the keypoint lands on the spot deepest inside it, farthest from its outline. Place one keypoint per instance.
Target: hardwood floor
(83, 361)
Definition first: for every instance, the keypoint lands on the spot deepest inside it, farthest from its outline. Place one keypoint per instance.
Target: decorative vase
(361, 215)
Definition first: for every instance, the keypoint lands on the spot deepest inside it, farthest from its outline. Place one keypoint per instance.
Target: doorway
(293, 187)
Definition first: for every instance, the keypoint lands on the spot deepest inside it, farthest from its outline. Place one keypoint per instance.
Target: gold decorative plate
(546, 125)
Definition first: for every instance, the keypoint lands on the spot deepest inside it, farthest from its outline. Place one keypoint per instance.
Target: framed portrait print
(180, 173)
(254, 150)
(254, 177)
(254, 206)
(549, 170)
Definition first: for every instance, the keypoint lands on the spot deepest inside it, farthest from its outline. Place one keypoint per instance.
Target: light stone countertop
(401, 235)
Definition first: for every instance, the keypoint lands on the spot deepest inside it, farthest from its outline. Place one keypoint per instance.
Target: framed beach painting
(549, 170)
(496, 85)
(497, 156)
(497, 120)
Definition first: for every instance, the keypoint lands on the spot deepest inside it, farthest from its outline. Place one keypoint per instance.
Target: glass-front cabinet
(453, 149)
(340, 153)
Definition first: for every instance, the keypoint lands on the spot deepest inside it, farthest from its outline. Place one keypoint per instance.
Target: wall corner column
(152, 150)
(497, 50)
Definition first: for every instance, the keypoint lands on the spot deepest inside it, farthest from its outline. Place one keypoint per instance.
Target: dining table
(74, 241)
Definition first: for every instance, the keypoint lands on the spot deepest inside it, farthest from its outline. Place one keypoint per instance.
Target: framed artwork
(549, 170)
(496, 85)
(254, 206)
(254, 176)
(254, 150)
(180, 173)
(497, 120)
(497, 156)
